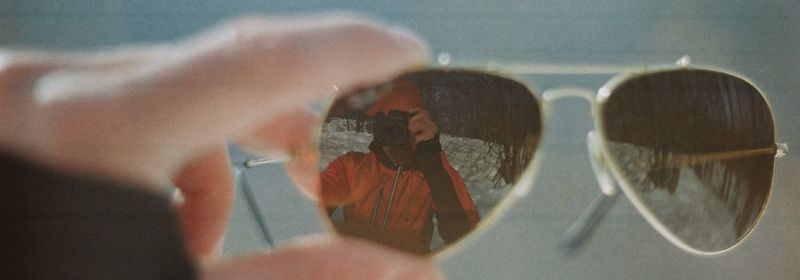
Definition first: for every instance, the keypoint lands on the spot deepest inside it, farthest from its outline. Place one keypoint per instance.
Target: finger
(253, 70)
(207, 189)
(17, 72)
(291, 133)
(90, 61)
(20, 68)
(421, 126)
(283, 133)
(30, 126)
(141, 123)
(16, 80)
(420, 117)
(326, 258)
(304, 171)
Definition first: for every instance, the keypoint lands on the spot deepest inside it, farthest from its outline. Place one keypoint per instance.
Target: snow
(693, 212)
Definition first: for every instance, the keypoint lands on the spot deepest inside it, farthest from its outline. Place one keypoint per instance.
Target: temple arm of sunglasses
(778, 151)
(584, 225)
(250, 200)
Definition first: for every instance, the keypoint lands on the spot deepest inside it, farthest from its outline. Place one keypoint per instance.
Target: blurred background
(758, 39)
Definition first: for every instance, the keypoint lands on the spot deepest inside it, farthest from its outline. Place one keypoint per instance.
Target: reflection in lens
(697, 147)
(417, 163)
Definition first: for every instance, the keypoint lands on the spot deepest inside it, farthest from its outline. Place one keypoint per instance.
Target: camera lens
(396, 135)
(392, 129)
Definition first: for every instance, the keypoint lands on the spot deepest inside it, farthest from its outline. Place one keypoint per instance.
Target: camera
(391, 129)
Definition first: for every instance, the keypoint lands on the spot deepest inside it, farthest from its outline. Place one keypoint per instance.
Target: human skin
(155, 115)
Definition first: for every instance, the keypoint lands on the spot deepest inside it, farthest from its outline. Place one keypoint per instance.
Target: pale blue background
(756, 38)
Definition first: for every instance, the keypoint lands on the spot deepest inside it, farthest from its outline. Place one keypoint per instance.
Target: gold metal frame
(607, 171)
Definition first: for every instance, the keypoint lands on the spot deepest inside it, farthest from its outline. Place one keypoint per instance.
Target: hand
(421, 126)
(155, 115)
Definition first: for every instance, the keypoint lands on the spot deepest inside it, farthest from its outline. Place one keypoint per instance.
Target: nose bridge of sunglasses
(243, 184)
(552, 95)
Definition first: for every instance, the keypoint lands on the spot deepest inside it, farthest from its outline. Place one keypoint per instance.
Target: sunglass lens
(695, 149)
(419, 162)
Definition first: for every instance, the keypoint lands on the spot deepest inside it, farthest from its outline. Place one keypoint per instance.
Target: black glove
(426, 154)
(451, 217)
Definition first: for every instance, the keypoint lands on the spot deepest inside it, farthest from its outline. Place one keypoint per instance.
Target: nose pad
(600, 165)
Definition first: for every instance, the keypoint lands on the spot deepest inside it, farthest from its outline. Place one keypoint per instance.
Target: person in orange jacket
(392, 193)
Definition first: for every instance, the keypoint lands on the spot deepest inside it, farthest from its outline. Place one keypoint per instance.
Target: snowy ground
(693, 212)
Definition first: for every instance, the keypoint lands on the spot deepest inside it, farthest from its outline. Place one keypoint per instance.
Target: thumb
(294, 139)
(326, 258)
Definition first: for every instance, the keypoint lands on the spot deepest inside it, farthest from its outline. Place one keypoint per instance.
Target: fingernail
(412, 42)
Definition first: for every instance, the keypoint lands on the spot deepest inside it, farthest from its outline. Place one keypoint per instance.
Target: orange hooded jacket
(363, 184)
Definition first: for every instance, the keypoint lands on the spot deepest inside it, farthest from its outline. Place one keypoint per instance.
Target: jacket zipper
(379, 199)
(391, 198)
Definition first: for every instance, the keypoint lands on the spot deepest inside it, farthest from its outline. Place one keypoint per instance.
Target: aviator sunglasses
(423, 162)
